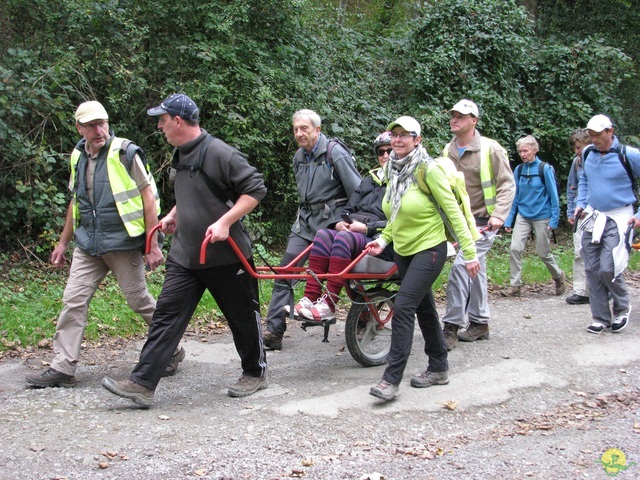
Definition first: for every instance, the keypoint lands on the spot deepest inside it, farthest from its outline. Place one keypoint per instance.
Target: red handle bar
(203, 249)
(147, 248)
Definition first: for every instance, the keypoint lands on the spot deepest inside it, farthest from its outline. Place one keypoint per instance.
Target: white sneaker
(597, 327)
(620, 322)
(318, 312)
(304, 302)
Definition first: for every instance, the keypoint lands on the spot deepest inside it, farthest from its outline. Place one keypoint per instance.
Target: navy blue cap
(177, 105)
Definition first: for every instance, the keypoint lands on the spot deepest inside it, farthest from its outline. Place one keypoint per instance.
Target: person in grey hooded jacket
(324, 188)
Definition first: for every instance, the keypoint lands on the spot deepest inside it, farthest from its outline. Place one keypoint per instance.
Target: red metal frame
(289, 271)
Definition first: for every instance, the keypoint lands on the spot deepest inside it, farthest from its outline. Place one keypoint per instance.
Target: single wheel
(368, 328)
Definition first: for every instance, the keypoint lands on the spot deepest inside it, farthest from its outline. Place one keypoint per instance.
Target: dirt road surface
(542, 398)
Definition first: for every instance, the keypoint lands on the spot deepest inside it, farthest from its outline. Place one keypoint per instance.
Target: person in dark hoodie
(201, 212)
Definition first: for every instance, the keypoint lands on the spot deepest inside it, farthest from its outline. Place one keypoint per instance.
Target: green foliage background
(250, 64)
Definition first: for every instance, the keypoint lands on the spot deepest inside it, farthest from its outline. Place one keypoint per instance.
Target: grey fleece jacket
(197, 207)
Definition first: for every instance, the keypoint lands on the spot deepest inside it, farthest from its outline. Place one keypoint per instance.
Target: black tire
(367, 341)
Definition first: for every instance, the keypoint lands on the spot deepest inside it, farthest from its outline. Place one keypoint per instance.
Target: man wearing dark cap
(214, 188)
(491, 189)
(114, 206)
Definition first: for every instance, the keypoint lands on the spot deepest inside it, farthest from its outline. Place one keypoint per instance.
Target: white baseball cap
(466, 107)
(599, 123)
(410, 124)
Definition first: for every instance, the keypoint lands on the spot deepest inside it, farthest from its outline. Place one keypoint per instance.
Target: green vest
(123, 188)
(486, 174)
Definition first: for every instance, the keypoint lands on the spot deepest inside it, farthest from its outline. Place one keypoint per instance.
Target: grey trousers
(599, 267)
(466, 296)
(281, 294)
(521, 231)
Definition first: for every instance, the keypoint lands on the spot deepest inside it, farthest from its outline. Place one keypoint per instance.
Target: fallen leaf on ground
(450, 404)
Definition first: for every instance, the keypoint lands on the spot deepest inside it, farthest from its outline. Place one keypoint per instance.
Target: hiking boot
(272, 341)
(475, 331)
(512, 292)
(305, 302)
(131, 390)
(561, 284)
(246, 385)
(384, 390)
(597, 327)
(51, 378)
(450, 332)
(172, 368)
(427, 378)
(576, 299)
(620, 322)
(319, 312)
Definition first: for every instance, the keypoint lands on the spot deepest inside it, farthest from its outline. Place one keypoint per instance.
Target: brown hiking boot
(272, 341)
(246, 385)
(450, 332)
(135, 392)
(475, 331)
(561, 284)
(427, 379)
(172, 368)
(51, 378)
(512, 292)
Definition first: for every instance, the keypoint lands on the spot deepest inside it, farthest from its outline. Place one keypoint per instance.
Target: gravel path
(542, 398)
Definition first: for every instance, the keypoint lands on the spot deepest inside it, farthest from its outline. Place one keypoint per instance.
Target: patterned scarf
(400, 176)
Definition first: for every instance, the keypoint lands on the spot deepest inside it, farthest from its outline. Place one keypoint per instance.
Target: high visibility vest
(487, 182)
(123, 188)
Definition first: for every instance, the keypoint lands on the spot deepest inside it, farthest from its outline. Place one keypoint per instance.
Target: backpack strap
(128, 151)
(621, 150)
(213, 187)
(541, 166)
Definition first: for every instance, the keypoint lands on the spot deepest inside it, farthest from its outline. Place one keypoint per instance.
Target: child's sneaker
(319, 312)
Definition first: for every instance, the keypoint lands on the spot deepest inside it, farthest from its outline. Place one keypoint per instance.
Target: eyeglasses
(382, 151)
(404, 135)
(458, 116)
(96, 124)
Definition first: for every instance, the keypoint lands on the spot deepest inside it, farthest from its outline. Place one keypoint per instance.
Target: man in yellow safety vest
(489, 182)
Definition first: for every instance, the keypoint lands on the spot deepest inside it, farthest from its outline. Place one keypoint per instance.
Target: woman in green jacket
(420, 251)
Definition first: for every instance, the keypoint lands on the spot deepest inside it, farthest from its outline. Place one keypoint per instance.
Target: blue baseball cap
(177, 105)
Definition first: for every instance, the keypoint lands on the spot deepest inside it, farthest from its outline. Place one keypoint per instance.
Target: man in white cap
(114, 206)
(605, 205)
(490, 185)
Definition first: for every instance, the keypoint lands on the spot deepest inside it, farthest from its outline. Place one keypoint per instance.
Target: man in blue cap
(215, 187)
